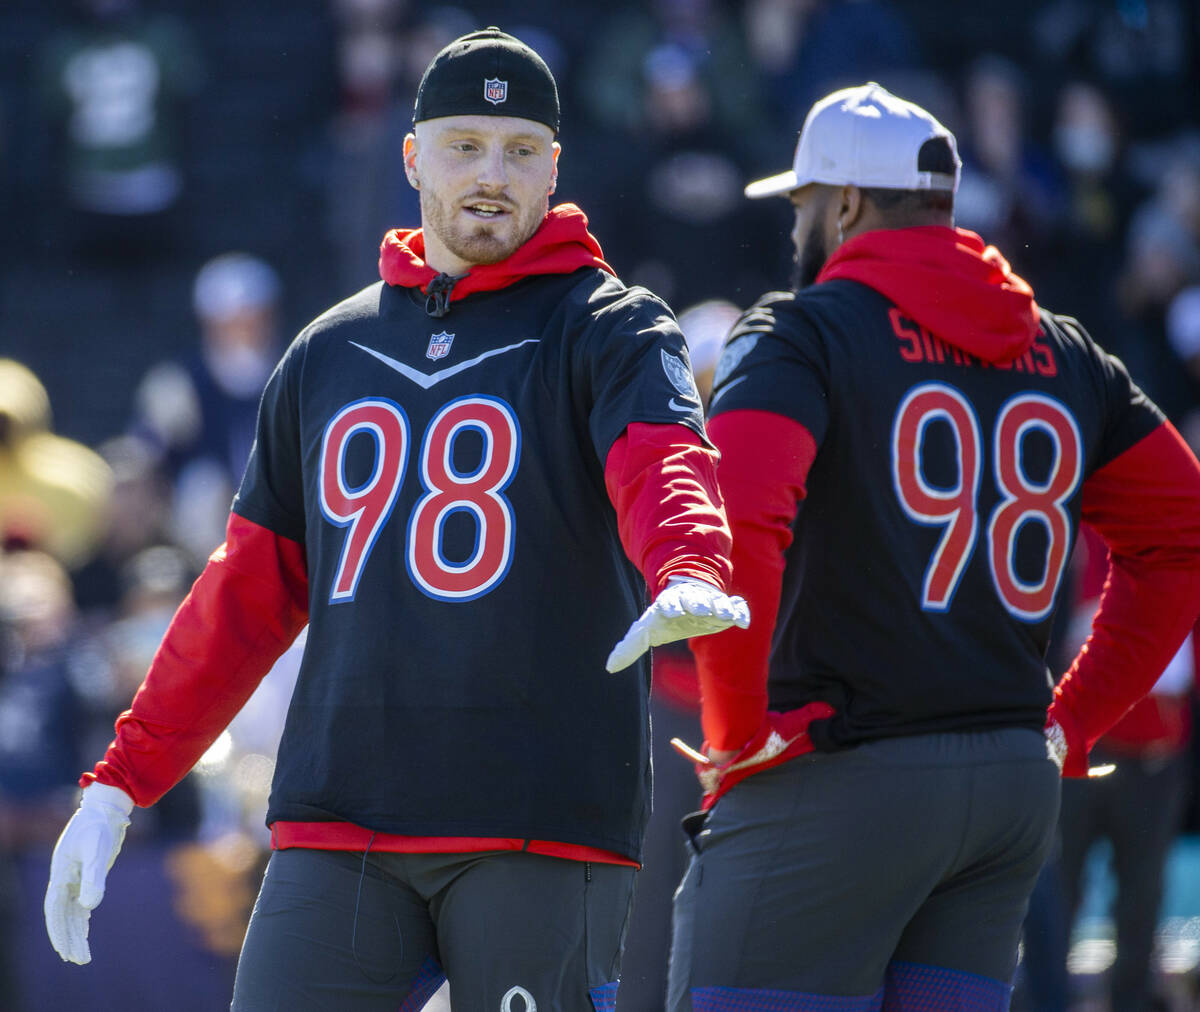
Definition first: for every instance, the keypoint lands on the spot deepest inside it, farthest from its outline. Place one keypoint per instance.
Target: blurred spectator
(380, 60)
(367, 51)
(139, 517)
(217, 821)
(237, 772)
(1137, 808)
(805, 49)
(1161, 259)
(1140, 47)
(54, 492)
(1183, 336)
(1099, 196)
(200, 412)
(1180, 188)
(56, 700)
(705, 326)
(41, 714)
(680, 177)
(153, 582)
(41, 729)
(613, 82)
(1009, 193)
(111, 86)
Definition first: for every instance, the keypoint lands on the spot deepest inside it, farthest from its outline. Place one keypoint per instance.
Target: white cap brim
(772, 186)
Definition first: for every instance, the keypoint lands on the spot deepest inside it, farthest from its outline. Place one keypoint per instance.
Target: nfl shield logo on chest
(439, 346)
(495, 90)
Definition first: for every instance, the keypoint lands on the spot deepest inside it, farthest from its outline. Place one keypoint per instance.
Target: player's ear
(410, 161)
(851, 208)
(555, 150)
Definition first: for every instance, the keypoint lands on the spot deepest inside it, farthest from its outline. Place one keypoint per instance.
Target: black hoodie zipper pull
(437, 295)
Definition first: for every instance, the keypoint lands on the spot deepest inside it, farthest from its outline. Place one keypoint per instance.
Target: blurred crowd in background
(184, 184)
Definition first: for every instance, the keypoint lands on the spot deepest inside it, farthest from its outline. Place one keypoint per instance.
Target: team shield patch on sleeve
(732, 356)
(681, 379)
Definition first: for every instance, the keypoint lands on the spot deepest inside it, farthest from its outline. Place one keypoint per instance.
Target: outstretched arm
(662, 482)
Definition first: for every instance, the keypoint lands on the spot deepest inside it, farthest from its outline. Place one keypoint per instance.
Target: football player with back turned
(884, 743)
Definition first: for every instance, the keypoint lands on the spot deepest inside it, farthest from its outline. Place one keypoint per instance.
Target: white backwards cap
(866, 136)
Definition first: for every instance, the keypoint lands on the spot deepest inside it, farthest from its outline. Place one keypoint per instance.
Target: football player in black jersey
(909, 444)
(464, 478)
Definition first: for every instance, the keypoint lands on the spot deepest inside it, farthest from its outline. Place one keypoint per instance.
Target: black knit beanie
(488, 73)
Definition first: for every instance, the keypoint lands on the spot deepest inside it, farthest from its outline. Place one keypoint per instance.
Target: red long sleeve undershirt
(764, 465)
(1145, 505)
(1160, 723)
(250, 602)
(244, 610)
(662, 481)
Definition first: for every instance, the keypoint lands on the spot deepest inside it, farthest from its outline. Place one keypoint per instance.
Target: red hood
(947, 281)
(561, 244)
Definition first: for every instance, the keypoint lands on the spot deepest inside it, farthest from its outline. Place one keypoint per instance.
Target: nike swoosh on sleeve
(675, 405)
(426, 380)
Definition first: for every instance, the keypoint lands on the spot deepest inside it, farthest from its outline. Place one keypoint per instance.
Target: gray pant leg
(519, 930)
(972, 920)
(814, 876)
(325, 934)
(776, 896)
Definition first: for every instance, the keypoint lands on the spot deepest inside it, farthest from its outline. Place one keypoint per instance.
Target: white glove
(1059, 749)
(686, 607)
(84, 853)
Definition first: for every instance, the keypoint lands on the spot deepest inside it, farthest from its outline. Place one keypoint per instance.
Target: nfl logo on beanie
(495, 91)
(488, 73)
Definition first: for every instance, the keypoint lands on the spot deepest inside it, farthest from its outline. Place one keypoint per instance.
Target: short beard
(809, 260)
(480, 246)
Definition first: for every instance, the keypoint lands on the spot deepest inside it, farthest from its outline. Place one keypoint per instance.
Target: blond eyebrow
(466, 133)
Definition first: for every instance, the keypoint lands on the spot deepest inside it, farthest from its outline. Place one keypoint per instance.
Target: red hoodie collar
(949, 282)
(561, 244)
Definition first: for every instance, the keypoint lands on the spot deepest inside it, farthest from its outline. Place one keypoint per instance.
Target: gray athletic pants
(513, 932)
(902, 865)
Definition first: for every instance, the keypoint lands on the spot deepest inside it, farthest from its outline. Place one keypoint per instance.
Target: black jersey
(466, 579)
(942, 505)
